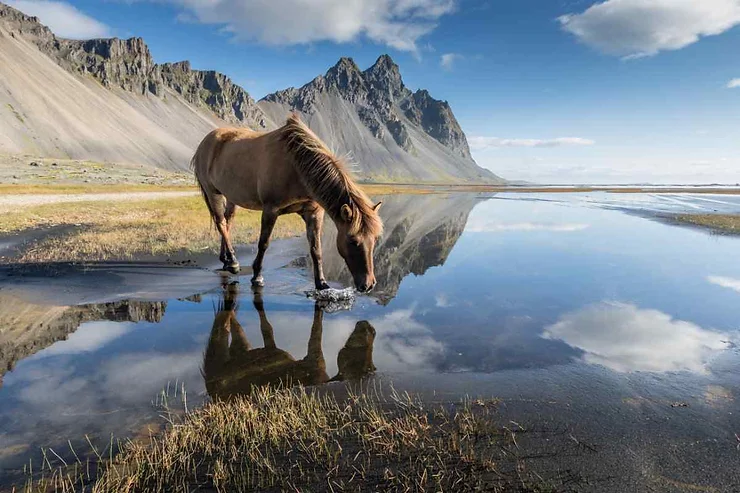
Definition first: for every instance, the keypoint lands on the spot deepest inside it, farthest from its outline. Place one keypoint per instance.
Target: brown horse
(288, 170)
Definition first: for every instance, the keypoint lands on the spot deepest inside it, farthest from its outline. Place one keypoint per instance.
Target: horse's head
(356, 246)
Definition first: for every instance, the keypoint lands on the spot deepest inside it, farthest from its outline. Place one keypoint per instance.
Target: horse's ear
(346, 213)
(376, 207)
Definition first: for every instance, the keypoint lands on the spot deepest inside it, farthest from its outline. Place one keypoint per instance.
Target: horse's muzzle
(366, 287)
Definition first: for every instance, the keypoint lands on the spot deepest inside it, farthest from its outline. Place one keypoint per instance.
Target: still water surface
(581, 312)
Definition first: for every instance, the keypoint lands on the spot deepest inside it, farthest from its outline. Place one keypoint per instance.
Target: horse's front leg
(314, 219)
(269, 216)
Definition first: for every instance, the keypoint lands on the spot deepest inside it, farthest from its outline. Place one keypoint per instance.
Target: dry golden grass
(299, 440)
(27, 189)
(721, 223)
(128, 230)
(389, 189)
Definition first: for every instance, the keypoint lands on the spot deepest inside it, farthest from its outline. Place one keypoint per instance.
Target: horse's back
(253, 168)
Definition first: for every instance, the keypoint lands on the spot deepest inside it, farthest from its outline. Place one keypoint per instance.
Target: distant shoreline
(373, 188)
(432, 188)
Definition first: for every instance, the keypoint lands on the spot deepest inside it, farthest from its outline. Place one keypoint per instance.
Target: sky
(549, 91)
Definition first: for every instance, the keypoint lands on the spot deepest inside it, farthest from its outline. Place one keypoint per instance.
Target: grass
(300, 440)
(720, 223)
(129, 230)
(28, 189)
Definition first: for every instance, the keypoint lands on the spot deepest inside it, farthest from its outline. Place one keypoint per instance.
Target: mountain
(106, 99)
(391, 133)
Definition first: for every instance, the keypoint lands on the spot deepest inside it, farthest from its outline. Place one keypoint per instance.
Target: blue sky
(558, 91)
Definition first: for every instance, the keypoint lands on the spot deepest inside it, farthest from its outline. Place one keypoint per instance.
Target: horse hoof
(320, 286)
(258, 281)
(233, 267)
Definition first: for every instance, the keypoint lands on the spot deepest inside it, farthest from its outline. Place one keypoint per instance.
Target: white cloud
(441, 301)
(625, 338)
(404, 344)
(63, 19)
(88, 338)
(396, 23)
(638, 28)
(725, 282)
(481, 143)
(447, 61)
(734, 83)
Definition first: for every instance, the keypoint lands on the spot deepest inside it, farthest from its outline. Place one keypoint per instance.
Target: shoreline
(373, 188)
(105, 223)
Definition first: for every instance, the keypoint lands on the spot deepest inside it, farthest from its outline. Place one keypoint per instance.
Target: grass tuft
(293, 439)
(719, 223)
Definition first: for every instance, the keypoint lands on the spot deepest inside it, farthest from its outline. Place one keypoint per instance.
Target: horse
(284, 171)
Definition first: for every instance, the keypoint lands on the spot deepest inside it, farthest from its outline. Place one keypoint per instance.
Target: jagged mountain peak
(385, 76)
(383, 65)
(344, 64)
(412, 134)
(346, 77)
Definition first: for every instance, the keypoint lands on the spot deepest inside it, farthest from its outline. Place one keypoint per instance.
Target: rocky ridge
(382, 98)
(128, 65)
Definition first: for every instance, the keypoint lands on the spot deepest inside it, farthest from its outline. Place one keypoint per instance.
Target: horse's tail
(199, 165)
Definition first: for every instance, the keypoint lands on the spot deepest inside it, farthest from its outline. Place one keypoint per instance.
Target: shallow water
(585, 317)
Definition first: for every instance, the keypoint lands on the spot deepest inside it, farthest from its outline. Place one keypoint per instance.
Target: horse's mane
(327, 179)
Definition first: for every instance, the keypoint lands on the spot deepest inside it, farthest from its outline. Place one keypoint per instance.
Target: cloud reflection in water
(725, 282)
(625, 338)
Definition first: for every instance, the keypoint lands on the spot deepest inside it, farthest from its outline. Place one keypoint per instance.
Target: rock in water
(333, 300)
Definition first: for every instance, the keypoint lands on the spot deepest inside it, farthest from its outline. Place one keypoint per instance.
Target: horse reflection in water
(234, 367)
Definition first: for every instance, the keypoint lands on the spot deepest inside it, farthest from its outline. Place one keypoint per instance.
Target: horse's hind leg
(229, 212)
(218, 206)
(269, 217)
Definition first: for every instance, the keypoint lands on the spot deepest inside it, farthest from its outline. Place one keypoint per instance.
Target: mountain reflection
(27, 328)
(626, 338)
(232, 366)
(420, 232)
